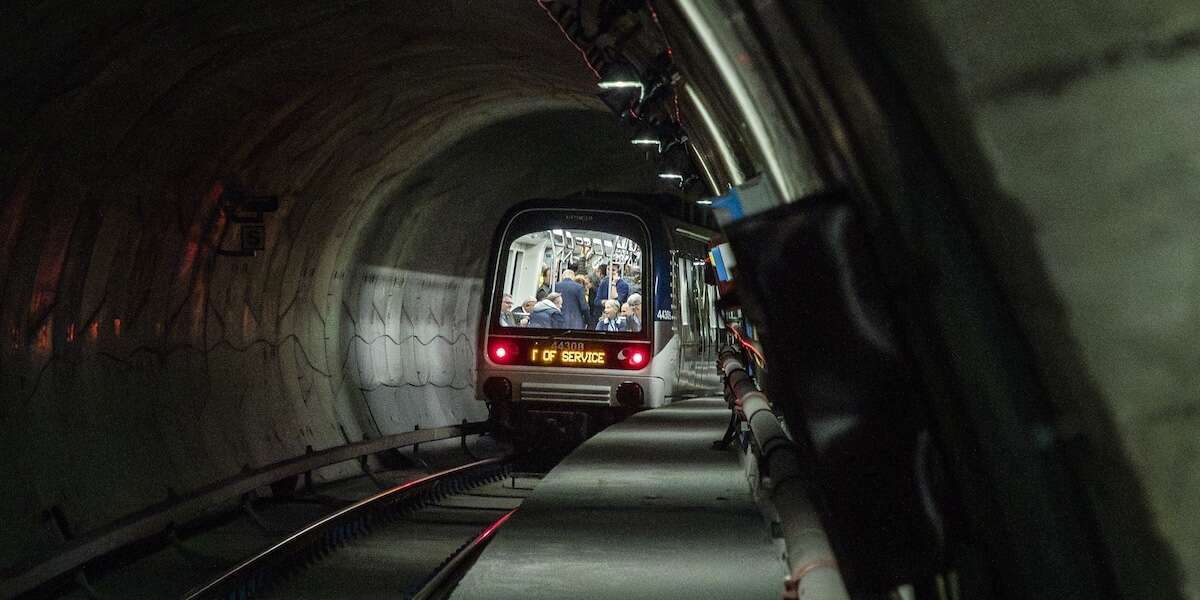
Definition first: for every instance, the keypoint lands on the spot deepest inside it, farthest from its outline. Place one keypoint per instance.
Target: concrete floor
(646, 509)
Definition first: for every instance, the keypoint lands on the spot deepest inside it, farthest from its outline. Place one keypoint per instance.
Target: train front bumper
(587, 387)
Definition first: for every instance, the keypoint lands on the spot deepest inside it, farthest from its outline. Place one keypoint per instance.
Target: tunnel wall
(139, 364)
(1082, 115)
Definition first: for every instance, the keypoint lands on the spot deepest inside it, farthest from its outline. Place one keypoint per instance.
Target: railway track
(410, 541)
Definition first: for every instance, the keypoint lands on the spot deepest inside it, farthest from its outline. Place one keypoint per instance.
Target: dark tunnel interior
(141, 363)
(1043, 157)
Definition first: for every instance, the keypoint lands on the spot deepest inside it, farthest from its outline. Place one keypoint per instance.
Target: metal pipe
(814, 572)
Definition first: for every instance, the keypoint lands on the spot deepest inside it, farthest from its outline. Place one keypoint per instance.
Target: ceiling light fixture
(625, 84)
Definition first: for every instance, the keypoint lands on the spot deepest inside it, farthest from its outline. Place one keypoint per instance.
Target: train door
(695, 324)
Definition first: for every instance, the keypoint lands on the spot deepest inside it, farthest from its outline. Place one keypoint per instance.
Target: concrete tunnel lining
(144, 365)
(137, 364)
(1067, 128)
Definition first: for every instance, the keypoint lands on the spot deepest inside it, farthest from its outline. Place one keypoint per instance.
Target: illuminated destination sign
(569, 353)
(571, 357)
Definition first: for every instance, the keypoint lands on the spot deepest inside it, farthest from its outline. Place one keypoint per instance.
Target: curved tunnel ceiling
(142, 364)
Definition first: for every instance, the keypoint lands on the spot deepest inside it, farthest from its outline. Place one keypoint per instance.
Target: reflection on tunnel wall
(413, 355)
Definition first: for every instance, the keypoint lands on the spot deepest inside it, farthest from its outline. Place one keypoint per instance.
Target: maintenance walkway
(646, 509)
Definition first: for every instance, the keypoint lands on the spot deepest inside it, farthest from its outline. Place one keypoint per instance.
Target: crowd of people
(602, 300)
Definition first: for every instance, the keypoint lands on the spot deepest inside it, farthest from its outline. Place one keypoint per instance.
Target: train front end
(568, 335)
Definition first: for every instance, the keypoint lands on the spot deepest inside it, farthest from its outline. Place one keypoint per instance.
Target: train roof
(660, 207)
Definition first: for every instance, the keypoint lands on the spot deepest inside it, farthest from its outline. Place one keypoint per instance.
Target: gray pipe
(815, 575)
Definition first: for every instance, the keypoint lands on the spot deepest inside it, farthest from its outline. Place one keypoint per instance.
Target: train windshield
(573, 279)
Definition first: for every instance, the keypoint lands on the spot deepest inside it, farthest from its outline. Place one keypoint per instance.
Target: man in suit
(611, 287)
(635, 280)
(507, 319)
(633, 320)
(594, 278)
(574, 302)
(597, 274)
(611, 319)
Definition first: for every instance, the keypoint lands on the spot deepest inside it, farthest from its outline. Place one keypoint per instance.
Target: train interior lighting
(541, 263)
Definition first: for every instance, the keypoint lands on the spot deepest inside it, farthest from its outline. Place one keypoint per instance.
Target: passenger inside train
(573, 279)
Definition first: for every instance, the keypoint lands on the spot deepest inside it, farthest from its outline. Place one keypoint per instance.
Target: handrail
(814, 572)
(297, 541)
(158, 519)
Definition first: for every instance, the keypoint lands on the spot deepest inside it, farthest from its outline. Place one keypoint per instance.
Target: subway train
(596, 307)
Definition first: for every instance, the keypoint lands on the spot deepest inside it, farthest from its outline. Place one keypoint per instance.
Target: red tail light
(634, 357)
(502, 351)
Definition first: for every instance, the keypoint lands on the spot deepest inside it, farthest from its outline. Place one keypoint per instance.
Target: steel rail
(436, 587)
(159, 519)
(345, 521)
(814, 574)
